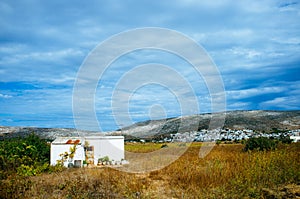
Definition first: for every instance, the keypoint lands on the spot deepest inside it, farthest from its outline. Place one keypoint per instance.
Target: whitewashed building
(295, 138)
(88, 148)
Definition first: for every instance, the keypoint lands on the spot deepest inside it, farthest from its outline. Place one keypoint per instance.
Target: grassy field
(226, 172)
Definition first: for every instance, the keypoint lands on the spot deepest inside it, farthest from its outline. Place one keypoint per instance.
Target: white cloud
(239, 106)
(62, 79)
(12, 48)
(288, 102)
(246, 93)
(289, 6)
(52, 56)
(253, 43)
(291, 40)
(5, 96)
(38, 101)
(245, 53)
(226, 36)
(58, 54)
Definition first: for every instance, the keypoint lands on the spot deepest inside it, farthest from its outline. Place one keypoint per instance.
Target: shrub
(260, 144)
(25, 156)
(285, 139)
(103, 159)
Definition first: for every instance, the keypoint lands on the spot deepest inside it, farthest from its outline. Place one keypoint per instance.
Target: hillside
(256, 120)
(45, 133)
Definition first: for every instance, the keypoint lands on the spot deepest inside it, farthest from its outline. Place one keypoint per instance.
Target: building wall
(295, 138)
(57, 149)
(113, 147)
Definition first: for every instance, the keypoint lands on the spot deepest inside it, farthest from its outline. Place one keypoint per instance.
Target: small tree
(67, 156)
(260, 144)
(285, 139)
(72, 151)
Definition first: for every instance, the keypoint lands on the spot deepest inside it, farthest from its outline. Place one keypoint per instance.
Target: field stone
(291, 191)
(270, 194)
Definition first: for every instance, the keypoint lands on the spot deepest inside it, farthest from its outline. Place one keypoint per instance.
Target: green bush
(285, 139)
(260, 144)
(25, 156)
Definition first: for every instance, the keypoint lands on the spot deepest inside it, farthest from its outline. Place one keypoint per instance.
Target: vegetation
(285, 139)
(142, 148)
(26, 157)
(226, 172)
(67, 156)
(260, 144)
(264, 143)
(103, 159)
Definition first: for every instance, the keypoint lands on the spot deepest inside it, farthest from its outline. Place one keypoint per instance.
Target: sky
(255, 46)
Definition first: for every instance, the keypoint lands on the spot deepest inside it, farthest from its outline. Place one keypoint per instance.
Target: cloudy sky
(254, 44)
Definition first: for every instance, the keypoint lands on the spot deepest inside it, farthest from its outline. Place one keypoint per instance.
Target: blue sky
(254, 44)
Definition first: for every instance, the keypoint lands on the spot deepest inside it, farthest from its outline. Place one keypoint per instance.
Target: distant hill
(45, 133)
(257, 120)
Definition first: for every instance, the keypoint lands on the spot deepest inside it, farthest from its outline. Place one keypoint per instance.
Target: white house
(88, 148)
(295, 138)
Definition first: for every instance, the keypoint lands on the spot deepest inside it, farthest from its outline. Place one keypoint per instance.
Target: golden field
(226, 172)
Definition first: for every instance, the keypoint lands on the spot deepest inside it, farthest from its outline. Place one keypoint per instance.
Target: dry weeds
(226, 172)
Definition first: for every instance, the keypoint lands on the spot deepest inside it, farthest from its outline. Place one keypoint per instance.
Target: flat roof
(79, 140)
(104, 137)
(68, 140)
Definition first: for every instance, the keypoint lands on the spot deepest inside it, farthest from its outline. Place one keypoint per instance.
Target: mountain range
(257, 120)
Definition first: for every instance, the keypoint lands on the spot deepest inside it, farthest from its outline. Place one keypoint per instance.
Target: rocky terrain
(45, 133)
(262, 121)
(258, 120)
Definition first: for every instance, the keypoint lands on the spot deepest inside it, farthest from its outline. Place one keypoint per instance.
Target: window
(77, 163)
(89, 148)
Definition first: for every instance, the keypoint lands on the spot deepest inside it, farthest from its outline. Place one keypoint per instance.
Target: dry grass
(226, 172)
(143, 147)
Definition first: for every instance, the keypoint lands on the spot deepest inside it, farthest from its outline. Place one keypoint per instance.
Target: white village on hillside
(228, 135)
